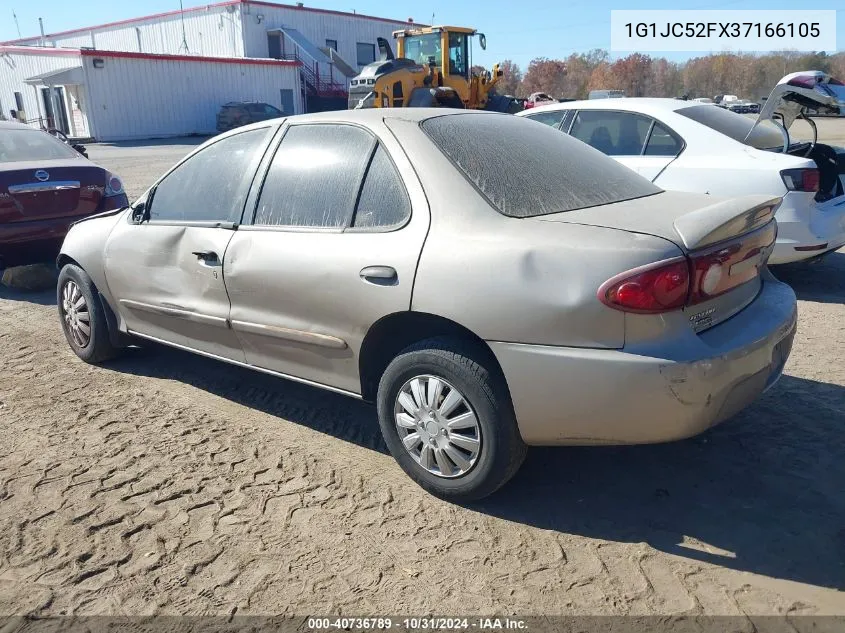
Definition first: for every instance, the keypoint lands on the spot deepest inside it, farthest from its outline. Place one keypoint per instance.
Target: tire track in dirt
(166, 483)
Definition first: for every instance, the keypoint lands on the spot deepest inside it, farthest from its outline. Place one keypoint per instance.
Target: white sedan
(690, 146)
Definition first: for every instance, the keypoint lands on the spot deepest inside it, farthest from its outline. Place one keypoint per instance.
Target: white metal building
(168, 74)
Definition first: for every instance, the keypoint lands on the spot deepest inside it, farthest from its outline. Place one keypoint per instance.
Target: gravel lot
(165, 483)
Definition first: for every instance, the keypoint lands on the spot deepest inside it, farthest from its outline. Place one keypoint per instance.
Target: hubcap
(75, 313)
(437, 426)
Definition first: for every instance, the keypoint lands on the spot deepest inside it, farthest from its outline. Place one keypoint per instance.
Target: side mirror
(139, 212)
(482, 40)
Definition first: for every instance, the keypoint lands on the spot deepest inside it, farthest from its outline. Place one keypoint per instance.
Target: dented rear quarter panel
(519, 280)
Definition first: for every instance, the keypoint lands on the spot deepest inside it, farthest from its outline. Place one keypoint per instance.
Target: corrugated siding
(139, 98)
(15, 68)
(215, 33)
(317, 27)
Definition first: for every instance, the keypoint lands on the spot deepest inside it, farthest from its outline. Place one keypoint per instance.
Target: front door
(326, 256)
(165, 266)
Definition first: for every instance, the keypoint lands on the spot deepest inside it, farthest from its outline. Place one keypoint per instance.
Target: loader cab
(447, 47)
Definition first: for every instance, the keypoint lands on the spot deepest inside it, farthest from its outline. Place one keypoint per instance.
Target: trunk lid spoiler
(724, 219)
(689, 220)
(797, 93)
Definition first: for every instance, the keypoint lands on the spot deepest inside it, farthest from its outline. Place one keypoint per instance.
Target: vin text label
(717, 31)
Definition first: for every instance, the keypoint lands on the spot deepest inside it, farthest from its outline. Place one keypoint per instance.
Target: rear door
(332, 248)
(166, 271)
(635, 140)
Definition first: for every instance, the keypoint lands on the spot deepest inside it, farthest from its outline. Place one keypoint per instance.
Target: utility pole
(184, 36)
(17, 26)
(41, 26)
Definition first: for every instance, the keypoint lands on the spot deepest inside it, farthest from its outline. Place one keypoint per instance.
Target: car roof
(15, 125)
(633, 104)
(369, 116)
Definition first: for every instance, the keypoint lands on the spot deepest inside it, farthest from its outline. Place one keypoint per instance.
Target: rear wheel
(82, 316)
(448, 421)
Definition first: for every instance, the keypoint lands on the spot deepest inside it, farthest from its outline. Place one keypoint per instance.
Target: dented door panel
(169, 285)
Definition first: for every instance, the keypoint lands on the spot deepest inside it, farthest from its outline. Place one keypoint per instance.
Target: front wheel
(83, 317)
(448, 421)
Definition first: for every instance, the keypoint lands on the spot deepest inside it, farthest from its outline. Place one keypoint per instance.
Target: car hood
(798, 92)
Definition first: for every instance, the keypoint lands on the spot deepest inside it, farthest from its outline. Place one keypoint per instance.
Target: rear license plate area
(780, 354)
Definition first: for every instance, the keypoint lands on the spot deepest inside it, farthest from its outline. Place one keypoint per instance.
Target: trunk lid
(797, 93)
(41, 191)
(726, 243)
(691, 220)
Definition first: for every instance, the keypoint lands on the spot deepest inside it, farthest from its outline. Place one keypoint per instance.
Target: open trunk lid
(725, 243)
(797, 93)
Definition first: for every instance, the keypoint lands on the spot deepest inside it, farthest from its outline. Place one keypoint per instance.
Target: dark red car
(45, 185)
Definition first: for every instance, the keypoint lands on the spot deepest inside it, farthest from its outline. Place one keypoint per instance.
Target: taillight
(804, 81)
(114, 186)
(653, 289)
(801, 179)
(686, 281)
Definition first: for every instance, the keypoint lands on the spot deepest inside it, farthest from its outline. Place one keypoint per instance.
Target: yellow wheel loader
(433, 69)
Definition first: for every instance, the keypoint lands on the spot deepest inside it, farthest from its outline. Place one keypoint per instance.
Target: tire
(503, 103)
(455, 365)
(95, 346)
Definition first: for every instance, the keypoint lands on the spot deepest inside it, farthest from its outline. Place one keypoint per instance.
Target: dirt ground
(166, 483)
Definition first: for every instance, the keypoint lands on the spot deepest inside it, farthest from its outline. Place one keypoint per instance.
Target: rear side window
(662, 142)
(735, 126)
(384, 202)
(525, 171)
(612, 133)
(211, 185)
(315, 177)
(549, 118)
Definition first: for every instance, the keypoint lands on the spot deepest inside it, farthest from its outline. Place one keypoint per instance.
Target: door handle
(207, 257)
(380, 275)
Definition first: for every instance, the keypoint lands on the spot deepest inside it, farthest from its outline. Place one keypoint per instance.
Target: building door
(287, 102)
(54, 108)
(274, 45)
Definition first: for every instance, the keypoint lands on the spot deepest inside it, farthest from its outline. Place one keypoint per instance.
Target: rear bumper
(23, 243)
(807, 229)
(588, 396)
(37, 241)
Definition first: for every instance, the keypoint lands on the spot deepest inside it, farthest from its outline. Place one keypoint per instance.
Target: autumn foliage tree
(743, 74)
(545, 75)
(511, 79)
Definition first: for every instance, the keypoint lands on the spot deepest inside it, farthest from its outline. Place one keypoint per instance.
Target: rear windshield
(21, 145)
(525, 168)
(735, 125)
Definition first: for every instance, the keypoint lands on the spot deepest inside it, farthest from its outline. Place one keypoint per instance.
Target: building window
(332, 44)
(366, 53)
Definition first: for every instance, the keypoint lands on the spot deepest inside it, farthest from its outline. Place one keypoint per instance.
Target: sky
(519, 31)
